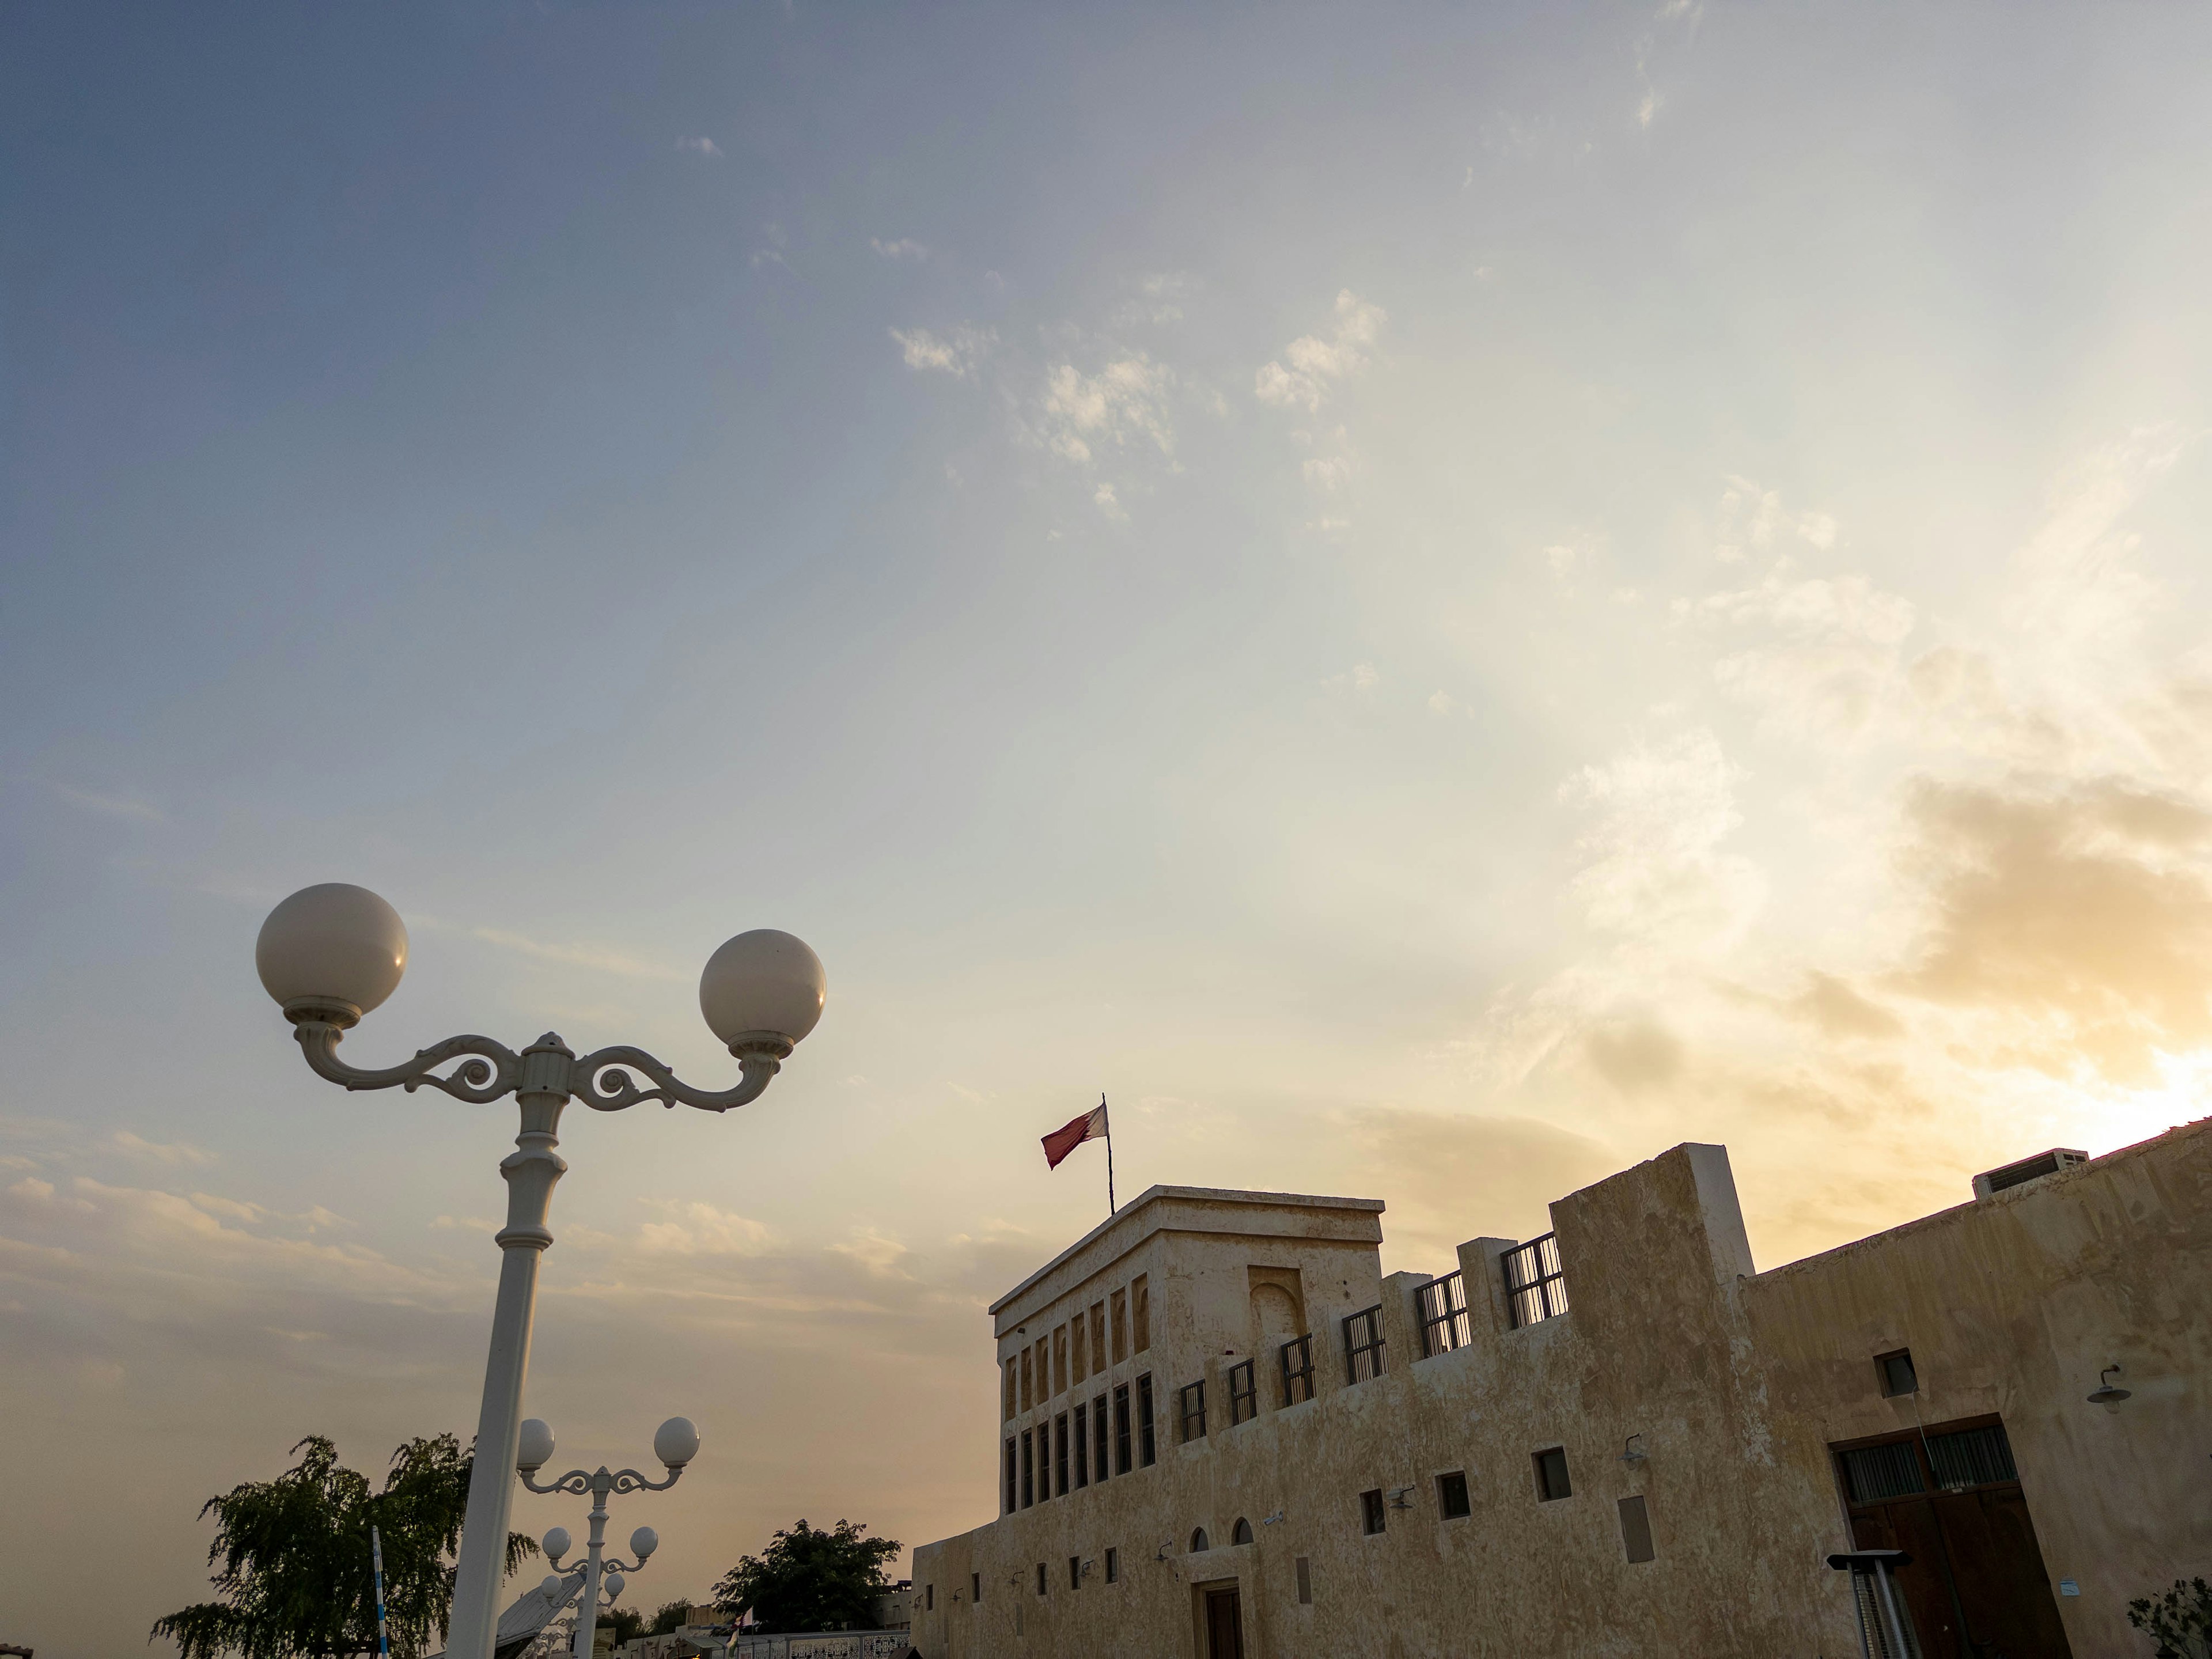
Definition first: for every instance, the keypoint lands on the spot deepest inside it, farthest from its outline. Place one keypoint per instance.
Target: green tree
(809, 1579)
(292, 1557)
(627, 1623)
(669, 1618)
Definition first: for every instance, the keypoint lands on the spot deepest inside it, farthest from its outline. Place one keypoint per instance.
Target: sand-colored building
(1225, 1435)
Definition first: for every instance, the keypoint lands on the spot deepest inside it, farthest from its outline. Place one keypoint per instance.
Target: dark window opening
(1305, 1582)
(1243, 1394)
(1075, 1572)
(1198, 1544)
(1059, 1453)
(1121, 1429)
(1874, 1475)
(1242, 1532)
(974, 1587)
(1013, 1490)
(1635, 1529)
(1552, 1482)
(1371, 1512)
(1972, 1457)
(1897, 1376)
(1113, 1566)
(1080, 1441)
(1296, 1356)
(1451, 1496)
(1535, 1286)
(1098, 1437)
(1028, 1470)
(1146, 1453)
(1040, 1579)
(1443, 1304)
(1193, 1399)
(929, 1598)
(1363, 1345)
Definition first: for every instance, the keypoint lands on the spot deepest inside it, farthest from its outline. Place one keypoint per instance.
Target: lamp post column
(587, 1610)
(531, 1171)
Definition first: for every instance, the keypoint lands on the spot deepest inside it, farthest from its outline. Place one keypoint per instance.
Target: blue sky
(1436, 600)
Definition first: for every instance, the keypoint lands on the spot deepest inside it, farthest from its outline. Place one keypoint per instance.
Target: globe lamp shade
(551, 1585)
(333, 943)
(764, 982)
(615, 1582)
(533, 1446)
(676, 1443)
(556, 1543)
(643, 1542)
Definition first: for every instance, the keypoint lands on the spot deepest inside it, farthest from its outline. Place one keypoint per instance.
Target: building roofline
(1152, 1195)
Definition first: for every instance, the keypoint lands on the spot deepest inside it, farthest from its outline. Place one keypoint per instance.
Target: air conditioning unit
(1989, 1185)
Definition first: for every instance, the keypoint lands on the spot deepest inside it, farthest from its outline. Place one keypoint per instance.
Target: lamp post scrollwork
(676, 1443)
(332, 953)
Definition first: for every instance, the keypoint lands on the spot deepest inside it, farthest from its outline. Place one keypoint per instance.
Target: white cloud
(1312, 365)
(904, 248)
(113, 806)
(1109, 504)
(700, 146)
(122, 1140)
(1359, 679)
(1124, 402)
(957, 353)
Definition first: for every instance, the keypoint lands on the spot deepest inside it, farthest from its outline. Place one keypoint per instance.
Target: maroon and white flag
(1092, 1126)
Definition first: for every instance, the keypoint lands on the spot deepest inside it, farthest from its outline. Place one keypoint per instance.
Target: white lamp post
(330, 953)
(676, 1443)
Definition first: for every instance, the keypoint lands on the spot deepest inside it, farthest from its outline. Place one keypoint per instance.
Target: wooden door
(1225, 1626)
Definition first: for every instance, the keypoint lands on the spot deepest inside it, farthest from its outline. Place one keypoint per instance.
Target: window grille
(1443, 1303)
(1243, 1394)
(1872, 1474)
(1363, 1345)
(1146, 1455)
(1534, 1285)
(1192, 1398)
(1972, 1457)
(1298, 1370)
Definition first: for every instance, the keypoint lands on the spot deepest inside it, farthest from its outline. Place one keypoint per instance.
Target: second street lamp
(676, 1443)
(330, 953)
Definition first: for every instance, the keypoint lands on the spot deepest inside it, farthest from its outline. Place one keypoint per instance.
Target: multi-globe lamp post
(330, 953)
(676, 1443)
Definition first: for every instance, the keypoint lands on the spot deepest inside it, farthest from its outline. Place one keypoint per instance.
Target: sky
(1434, 601)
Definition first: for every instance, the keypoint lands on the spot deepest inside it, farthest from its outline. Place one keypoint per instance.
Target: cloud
(956, 353)
(701, 146)
(1360, 680)
(1831, 661)
(579, 956)
(1635, 1054)
(1312, 365)
(904, 248)
(1109, 504)
(2079, 918)
(1124, 403)
(113, 806)
(1655, 873)
(1835, 1010)
(122, 1140)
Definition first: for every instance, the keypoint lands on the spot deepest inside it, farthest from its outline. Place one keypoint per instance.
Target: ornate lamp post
(676, 1443)
(330, 953)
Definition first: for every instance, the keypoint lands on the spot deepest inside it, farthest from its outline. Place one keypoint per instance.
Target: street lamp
(330, 953)
(676, 1443)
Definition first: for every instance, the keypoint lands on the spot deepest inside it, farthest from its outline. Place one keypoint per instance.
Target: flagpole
(1111, 1208)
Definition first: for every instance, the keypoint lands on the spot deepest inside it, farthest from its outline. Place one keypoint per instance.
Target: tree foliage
(669, 1618)
(2180, 1621)
(627, 1623)
(810, 1579)
(292, 1557)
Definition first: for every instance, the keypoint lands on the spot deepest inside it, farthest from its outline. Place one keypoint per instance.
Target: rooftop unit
(1991, 1182)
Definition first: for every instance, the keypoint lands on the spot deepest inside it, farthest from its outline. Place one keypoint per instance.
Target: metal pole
(588, 1610)
(1883, 1584)
(1112, 1208)
(376, 1561)
(531, 1171)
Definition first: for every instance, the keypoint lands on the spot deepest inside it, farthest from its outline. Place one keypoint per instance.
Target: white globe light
(533, 1448)
(614, 1582)
(676, 1443)
(551, 1585)
(762, 982)
(643, 1542)
(556, 1542)
(335, 943)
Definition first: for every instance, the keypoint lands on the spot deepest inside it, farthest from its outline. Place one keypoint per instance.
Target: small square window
(1451, 1496)
(1371, 1512)
(1113, 1566)
(1552, 1482)
(1897, 1376)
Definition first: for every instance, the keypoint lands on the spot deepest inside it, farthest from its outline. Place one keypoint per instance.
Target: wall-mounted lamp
(1401, 1497)
(2106, 1393)
(1087, 1566)
(1632, 1450)
(1167, 1544)
(1270, 1520)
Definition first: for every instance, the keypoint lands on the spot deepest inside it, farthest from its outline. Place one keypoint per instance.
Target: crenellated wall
(1678, 1375)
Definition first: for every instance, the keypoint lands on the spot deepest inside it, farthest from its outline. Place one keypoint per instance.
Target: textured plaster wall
(1736, 1385)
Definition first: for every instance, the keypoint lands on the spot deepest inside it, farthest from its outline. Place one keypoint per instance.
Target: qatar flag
(1092, 1126)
